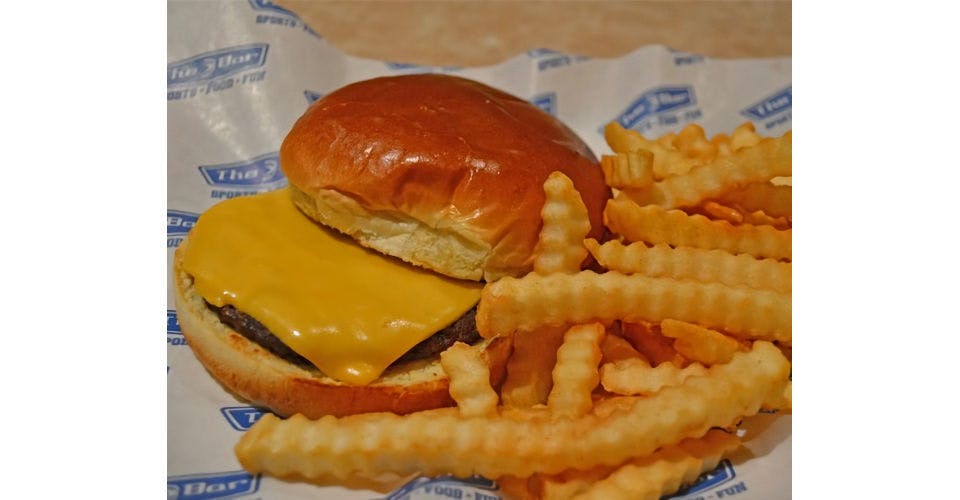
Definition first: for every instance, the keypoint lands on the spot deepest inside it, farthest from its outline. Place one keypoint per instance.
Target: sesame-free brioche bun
(255, 374)
(442, 172)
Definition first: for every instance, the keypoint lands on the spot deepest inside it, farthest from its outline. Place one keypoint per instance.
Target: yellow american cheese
(348, 310)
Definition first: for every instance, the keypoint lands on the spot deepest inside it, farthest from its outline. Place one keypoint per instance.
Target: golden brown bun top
(459, 163)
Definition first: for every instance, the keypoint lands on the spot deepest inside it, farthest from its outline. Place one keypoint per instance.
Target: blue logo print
(312, 96)
(178, 225)
(685, 58)
(179, 222)
(475, 487)
(268, 5)
(174, 334)
(656, 101)
(264, 169)
(417, 68)
(546, 101)
(244, 178)
(271, 13)
(216, 64)
(722, 474)
(540, 52)
(398, 66)
(242, 418)
(210, 486)
(771, 105)
(547, 58)
(173, 325)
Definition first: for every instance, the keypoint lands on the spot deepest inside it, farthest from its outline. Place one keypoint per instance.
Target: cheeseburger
(336, 294)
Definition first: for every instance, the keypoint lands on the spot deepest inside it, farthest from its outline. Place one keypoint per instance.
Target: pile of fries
(627, 379)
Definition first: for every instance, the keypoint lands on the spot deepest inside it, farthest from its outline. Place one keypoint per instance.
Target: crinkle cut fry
(717, 211)
(614, 347)
(529, 369)
(770, 158)
(649, 478)
(655, 224)
(623, 170)
(636, 376)
(773, 200)
(575, 374)
(692, 142)
(649, 341)
(744, 136)
(440, 441)
(566, 223)
(511, 304)
(667, 161)
(780, 399)
(469, 380)
(700, 344)
(693, 263)
(758, 218)
(653, 473)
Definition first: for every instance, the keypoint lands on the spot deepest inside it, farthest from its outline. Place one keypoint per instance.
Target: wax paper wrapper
(240, 73)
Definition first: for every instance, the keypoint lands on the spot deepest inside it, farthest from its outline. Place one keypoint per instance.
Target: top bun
(442, 172)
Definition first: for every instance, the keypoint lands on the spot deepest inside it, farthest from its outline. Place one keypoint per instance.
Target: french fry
(787, 349)
(631, 377)
(693, 263)
(722, 212)
(640, 474)
(780, 399)
(700, 344)
(759, 218)
(722, 143)
(575, 375)
(645, 337)
(692, 142)
(633, 169)
(666, 140)
(773, 200)
(716, 212)
(744, 136)
(529, 369)
(667, 161)
(655, 224)
(562, 486)
(469, 380)
(649, 478)
(614, 348)
(566, 485)
(518, 488)
(565, 224)
(771, 157)
(440, 441)
(511, 304)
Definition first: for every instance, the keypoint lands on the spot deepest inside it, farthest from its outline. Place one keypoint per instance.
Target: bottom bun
(255, 374)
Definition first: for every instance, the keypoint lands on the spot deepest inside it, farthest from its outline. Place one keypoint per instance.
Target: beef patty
(463, 330)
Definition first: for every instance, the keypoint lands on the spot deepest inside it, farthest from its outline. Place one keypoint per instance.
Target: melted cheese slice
(348, 310)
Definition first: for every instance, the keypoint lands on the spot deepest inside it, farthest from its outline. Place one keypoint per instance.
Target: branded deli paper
(240, 73)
